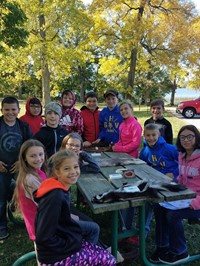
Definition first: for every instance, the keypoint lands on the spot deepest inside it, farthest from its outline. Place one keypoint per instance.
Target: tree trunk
(45, 83)
(131, 74)
(174, 87)
(133, 61)
(44, 61)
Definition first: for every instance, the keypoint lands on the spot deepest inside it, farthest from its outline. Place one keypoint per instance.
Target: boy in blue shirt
(160, 155)
(109, 119)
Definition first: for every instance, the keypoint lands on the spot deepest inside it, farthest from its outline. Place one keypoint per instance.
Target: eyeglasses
(188, 137)
(35, 106)
(73, 145)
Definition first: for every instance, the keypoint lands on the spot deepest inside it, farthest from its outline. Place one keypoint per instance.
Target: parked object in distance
(189, 108)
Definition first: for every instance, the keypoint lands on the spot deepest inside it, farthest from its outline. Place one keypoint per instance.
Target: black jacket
(51, 138)
(165, 128)
(57, 235)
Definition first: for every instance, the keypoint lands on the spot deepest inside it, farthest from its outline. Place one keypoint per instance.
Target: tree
(57, 44)
(12, 32)
(141, 35)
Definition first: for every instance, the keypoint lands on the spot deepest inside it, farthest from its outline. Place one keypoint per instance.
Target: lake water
(185, 93)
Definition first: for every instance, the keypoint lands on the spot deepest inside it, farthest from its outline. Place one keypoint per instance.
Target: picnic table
(90, 185)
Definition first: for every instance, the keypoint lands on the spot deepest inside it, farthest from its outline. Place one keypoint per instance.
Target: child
(157, 109)
(71, 118)
(13, 132)
(158, 153)
(33, 114)
(32, 171)
(90, 114)
(51, 134)
(170, 239)
(130, 131)
(74, 142)
(59, 240)
(109, 119)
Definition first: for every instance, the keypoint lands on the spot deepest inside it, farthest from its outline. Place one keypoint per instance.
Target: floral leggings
(89, 255)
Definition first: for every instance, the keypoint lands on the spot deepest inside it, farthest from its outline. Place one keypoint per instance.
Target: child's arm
(90, 164)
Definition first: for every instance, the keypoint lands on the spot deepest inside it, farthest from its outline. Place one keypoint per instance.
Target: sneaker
(119, 256)
(3, 234)
(172, 258)
(157, 253)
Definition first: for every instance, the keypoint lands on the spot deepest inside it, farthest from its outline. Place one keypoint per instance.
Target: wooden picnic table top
(91, 184)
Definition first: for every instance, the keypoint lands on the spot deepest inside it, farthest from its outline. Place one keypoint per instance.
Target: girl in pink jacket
(130, 131)
(170, 238)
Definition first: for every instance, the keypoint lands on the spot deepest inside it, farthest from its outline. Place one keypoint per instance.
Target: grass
(18, 243)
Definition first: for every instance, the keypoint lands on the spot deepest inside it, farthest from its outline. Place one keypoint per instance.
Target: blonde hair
(57, 159)
(25, 168)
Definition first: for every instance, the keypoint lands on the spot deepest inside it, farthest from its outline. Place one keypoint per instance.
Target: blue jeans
(169, 227)
(7, 185)
(90, 231)
(127, 216)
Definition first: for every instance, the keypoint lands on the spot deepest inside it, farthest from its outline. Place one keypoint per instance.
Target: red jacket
(90, 124)
(35, 122)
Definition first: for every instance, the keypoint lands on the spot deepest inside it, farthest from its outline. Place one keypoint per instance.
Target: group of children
(61, 236)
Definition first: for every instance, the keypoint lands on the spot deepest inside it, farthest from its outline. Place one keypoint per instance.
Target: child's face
(157, 111)
(35, 157)
(187, 140)
(10, 112)
(74, 145)
(52, 119)
(126, 111)
(111, 101)
(35, 109)
(151, 136)
(91, 103)
(67, 100)
(69, 172)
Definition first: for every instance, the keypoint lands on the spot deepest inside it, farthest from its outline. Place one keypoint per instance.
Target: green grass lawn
(18, 243)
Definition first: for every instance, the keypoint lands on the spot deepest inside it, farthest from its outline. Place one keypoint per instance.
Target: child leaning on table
(170, 239)
(59, 241)
(161, 156)
(157, 153)
(165, 127)
(73, 141)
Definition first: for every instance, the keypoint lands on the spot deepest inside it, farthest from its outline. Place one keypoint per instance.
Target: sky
(197, 4)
